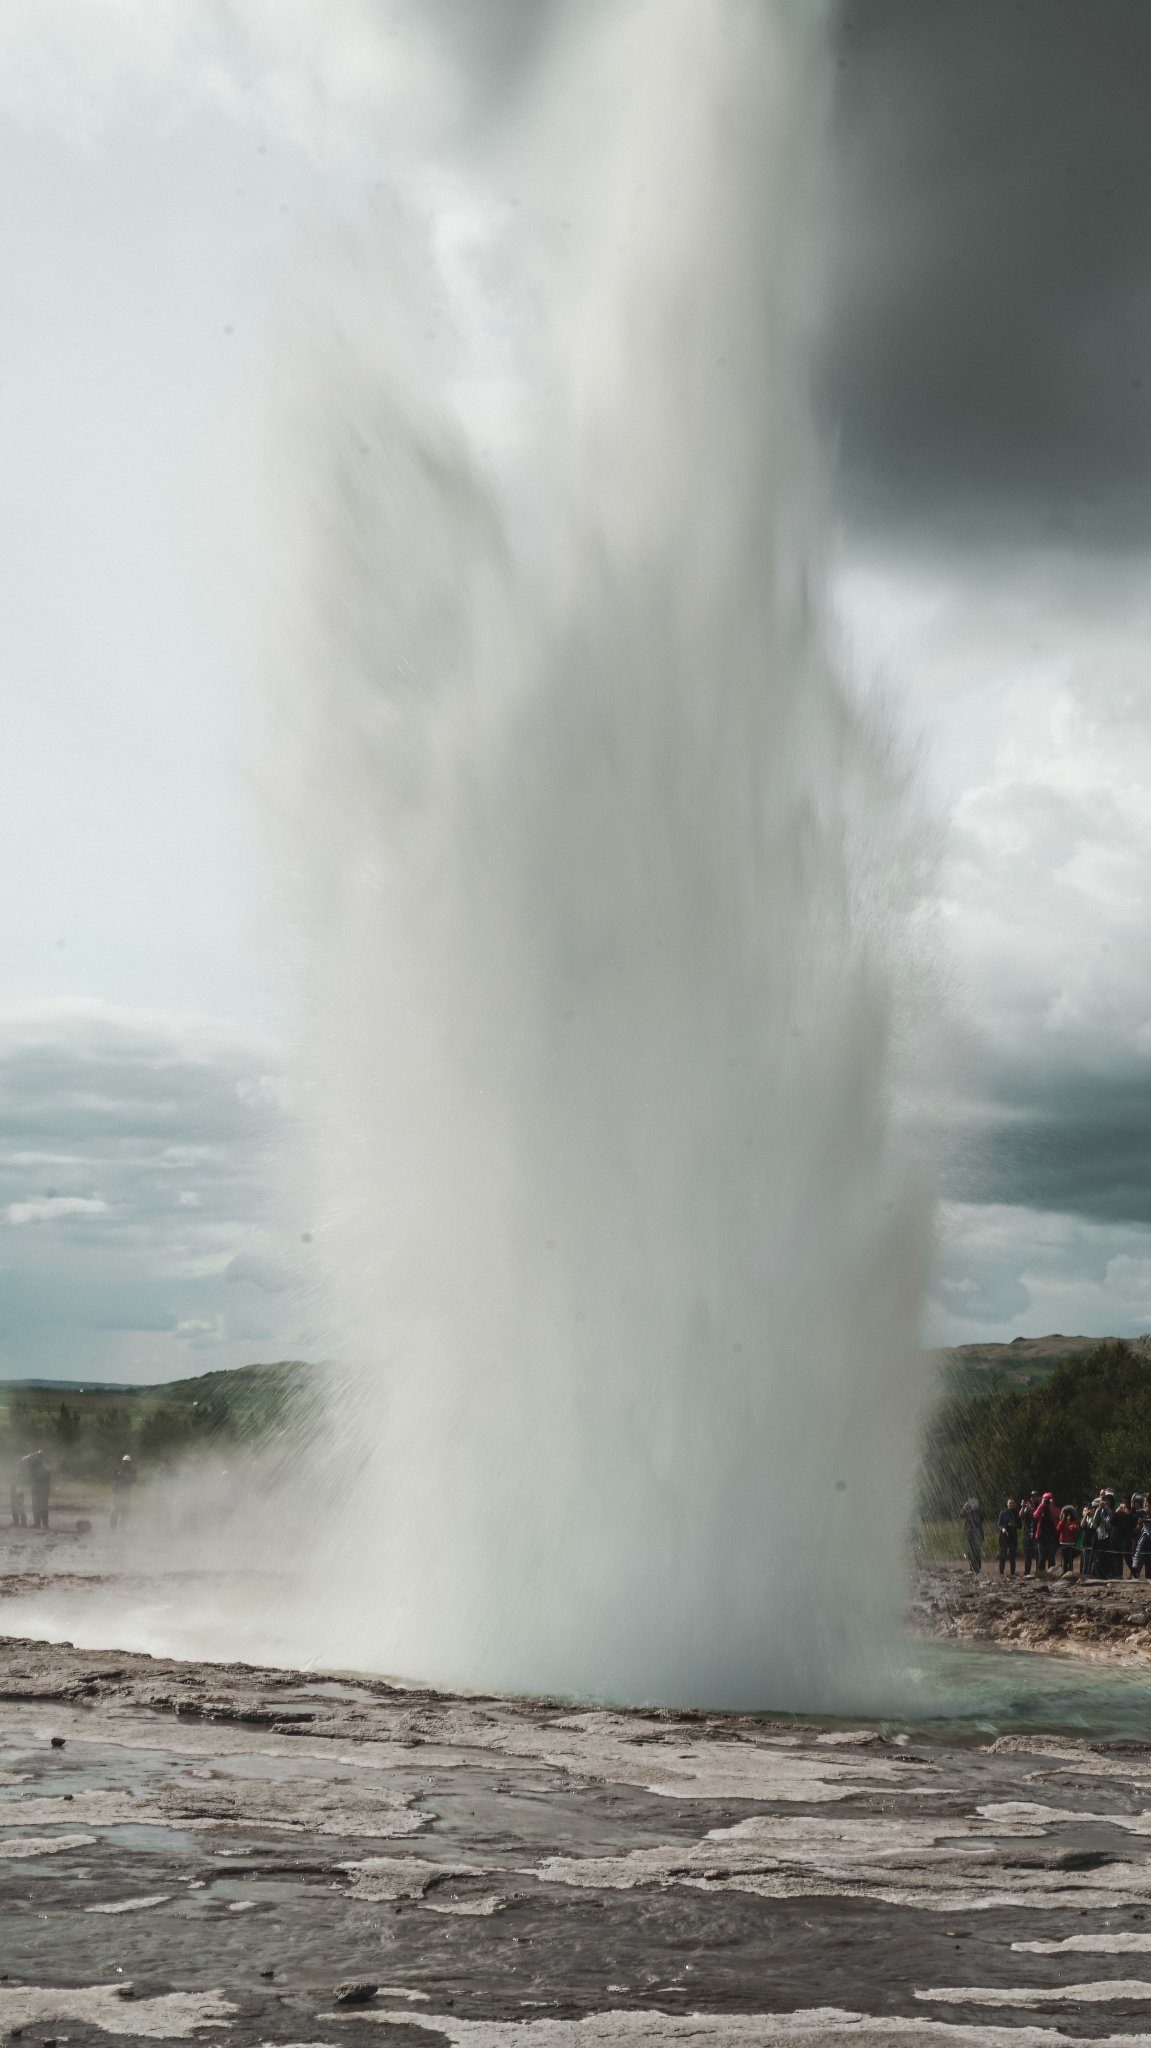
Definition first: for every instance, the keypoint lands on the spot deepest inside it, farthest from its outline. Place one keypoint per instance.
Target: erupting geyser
(604, 889)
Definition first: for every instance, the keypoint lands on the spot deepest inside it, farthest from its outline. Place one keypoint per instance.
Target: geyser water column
(604, 879)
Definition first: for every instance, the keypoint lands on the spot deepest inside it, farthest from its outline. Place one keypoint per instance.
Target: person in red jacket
(1068, 1538)
(1046, 1533)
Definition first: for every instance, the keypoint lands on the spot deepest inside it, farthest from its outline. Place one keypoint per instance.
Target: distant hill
(251, 1391)
(1025, 1362)
(85, 1425)
(244, 1397)
(246, 1390)
(68, 1387)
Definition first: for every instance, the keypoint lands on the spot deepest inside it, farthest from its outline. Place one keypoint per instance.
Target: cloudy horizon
(981, 378)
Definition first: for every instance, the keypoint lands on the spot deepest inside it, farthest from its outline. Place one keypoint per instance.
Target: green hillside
(84, 1431)
(971, 1369)
(1087, 1425)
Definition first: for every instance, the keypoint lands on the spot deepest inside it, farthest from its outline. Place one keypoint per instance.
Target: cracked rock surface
(215, 1848)
(1107, 1619)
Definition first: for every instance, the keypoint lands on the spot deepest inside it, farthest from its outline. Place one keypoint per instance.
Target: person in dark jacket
(1027, 1507)
(40, 1480)
(123, 1480)
(1008, 1536)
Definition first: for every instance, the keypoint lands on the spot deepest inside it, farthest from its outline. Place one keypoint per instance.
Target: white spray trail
(595, 857)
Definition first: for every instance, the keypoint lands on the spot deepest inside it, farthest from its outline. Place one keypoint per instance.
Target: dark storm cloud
(990, 342)
(1079, 1144)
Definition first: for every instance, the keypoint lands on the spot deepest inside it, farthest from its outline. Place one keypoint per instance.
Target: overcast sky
(988, 373)
(984, 378)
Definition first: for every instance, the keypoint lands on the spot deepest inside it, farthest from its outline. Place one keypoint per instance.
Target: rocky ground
(197, 1850)
(203, 1851)
(1094, 1618)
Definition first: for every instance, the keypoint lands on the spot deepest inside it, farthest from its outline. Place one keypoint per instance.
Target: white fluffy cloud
(53, 1207)
(1028, 673)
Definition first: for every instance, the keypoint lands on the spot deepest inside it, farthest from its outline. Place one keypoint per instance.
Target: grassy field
(940, 1541)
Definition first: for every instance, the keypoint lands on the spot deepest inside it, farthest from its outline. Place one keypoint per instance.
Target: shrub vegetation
(85, 1435)
(1088, 1426)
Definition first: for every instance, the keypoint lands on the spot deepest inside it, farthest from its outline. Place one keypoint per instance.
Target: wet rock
(570, 1868)
(1078, 1617)
(355, 1991)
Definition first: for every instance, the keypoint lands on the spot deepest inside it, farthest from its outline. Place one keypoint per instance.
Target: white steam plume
(604, 877)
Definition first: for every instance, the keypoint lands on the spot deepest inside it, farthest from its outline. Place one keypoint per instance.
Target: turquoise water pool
(971, 1695)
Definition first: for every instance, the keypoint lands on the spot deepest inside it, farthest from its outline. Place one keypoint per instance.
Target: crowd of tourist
(32, 1476)
(1107, 1535)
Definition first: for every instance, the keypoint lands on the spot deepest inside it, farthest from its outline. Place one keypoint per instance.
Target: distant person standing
(40, 1483)
(1102, 1549)
(1008, 1536)
(1068, 1533)
(1046, 1534)
(973, 1534)
(1027, 1510)
(1123, 1537)
(123, 1480)
(1087, 1540)
(1141, 1559)
(16, 1499)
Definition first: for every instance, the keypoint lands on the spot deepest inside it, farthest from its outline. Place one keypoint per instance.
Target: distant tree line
(87, 1442)
(1087, 1426)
